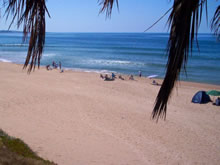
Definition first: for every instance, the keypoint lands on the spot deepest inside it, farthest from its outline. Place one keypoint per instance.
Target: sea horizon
(19, 31)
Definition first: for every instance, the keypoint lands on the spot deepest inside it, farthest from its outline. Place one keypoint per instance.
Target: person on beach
(113, 76)
(154, 83)
(120, 77)
(60, 65)
(106, 76)
(48, 67)
(101, 76)
(217, 102)
(54, 64)
(131, 77)
(140, 73)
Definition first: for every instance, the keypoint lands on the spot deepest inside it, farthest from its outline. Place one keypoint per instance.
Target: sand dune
(77, 118)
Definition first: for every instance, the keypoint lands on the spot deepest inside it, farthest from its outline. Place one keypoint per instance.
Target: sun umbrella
(213, 93)
(152, 76)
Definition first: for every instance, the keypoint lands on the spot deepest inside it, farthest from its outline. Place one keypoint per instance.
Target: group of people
(106, 77)
(55, 66)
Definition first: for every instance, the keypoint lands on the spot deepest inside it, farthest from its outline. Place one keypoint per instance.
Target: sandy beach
(77, 118)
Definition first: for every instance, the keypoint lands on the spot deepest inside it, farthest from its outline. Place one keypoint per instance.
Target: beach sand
(77, 118)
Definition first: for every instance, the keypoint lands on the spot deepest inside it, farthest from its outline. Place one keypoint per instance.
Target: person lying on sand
(101, 76)
(154, 83)
(120, 77)
(108, 78)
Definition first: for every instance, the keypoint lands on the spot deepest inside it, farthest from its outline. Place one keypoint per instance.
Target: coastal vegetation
(15, 151)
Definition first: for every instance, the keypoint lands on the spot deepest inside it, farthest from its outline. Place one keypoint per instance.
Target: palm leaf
(107, 6)
(32, 14)
(215, 24)
(184, 22)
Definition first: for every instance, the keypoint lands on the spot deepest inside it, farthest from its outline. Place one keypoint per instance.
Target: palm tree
(184, 22)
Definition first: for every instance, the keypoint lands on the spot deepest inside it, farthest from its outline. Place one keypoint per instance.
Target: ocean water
(124, 53)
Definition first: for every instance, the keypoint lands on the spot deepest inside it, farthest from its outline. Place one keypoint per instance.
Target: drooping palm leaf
(32, 14)
(184, 21)
(107, 6)
(215, 25)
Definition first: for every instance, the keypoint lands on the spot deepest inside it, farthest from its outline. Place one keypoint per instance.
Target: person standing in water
(140, 73)
(60, 65)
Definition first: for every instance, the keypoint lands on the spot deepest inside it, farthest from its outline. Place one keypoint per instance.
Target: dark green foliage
(15, 150)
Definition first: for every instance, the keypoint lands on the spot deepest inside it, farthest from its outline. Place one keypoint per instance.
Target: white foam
(14, 45)
(113, 62)
(4, 60)
(90, 70)
(49, 54)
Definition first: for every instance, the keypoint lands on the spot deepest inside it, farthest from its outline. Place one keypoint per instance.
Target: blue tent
(201, 97)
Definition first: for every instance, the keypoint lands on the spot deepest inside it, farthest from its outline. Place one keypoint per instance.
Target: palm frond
(32, 14)
(158, 19)
(107, 6)
(215, 23)
(184, 22)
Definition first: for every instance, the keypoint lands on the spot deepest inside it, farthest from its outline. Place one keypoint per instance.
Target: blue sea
(124, 53)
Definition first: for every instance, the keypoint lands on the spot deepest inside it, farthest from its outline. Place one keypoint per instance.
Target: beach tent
(201, 97)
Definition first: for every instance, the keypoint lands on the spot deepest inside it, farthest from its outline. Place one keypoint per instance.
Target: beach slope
(77, 118)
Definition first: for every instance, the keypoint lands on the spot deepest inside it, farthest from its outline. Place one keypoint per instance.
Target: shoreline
(109, 72)
(77, 118)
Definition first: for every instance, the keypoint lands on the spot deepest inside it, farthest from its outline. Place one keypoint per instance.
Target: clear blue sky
(133, 16)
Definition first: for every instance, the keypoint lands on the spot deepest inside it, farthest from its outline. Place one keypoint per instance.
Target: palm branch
(32, 14)
(215, 25)
(107, 6)
(184, 22)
